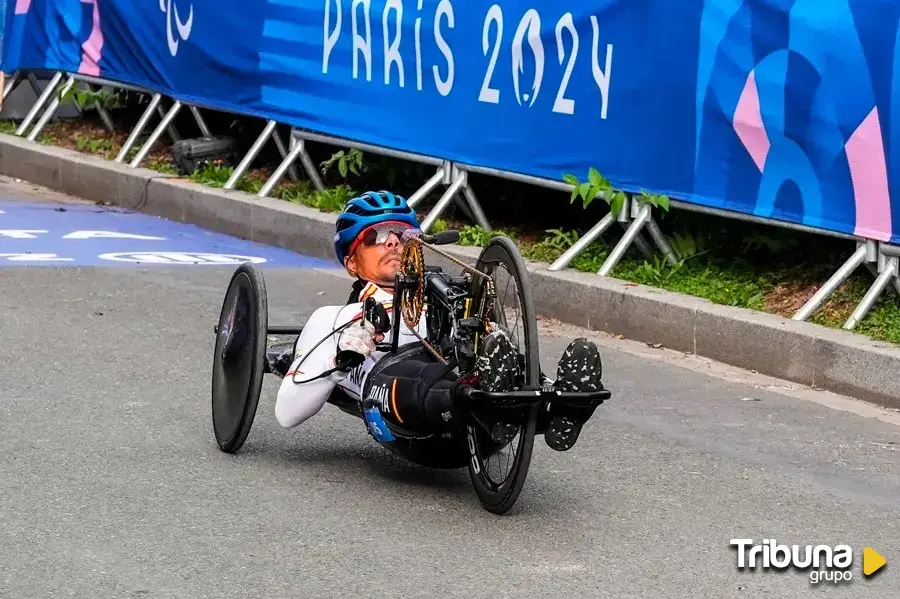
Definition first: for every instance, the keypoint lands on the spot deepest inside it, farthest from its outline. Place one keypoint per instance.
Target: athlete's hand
(358, 338)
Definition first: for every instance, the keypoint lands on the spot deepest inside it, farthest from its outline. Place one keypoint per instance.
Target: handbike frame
(457, 314)
(443, 294)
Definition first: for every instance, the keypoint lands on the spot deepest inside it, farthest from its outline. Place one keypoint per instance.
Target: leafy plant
(161, 166)
(474, 235)
(93, 145)
(87, 99)
(659, 272)
(559, 239)
(350, 161)
(686, 246)
(598, 185)
(551, 247)
(328, 200)
(212, 173)
(332, 199)
(656, 200)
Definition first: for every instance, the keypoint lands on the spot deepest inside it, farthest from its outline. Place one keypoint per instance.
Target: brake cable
(321, 341)
(373, 312)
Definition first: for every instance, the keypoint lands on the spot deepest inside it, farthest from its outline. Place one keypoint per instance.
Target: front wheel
(512, 308)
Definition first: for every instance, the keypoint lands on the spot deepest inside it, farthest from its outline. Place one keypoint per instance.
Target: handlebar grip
(442, 238)
(347, 360)
(377, 315)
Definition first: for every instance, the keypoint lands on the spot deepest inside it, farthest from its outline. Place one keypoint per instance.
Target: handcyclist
(411, 390)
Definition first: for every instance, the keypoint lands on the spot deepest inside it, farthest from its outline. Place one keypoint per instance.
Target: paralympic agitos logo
(184, 28)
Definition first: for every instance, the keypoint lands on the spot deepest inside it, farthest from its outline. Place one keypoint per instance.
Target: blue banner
(777, 108)
(3, 5)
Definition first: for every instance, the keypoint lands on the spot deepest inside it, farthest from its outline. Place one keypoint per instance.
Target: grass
(723, 279)
(91, 138)
(712, 261)
(302, 192)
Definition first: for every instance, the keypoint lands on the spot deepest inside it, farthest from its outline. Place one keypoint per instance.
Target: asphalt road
(111, 484)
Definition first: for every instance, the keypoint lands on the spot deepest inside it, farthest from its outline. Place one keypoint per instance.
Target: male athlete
(412, 391)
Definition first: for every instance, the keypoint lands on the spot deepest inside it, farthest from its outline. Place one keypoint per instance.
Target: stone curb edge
(808, 354)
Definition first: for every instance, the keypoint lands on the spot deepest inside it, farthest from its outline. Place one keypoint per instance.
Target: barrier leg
(11, 85)
(172, 130)
(270, 184)
(458, 183)
(831, 285)
(51, 110)
(32, 79)
(107, 120)
(883, 262)
(279, 144)
(427, 188)
(888, 272)
(477, 212)
(586, 240)
(309, 167)
(640, 243)
(154, 137)
(35, 85)
(627, 239)
(101, 110)
(139, 128)
(201, 124)
(250, 156)
(449, 174)
(39, 103)
(660, 240)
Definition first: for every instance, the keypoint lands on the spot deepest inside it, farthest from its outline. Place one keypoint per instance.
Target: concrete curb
(801, 352)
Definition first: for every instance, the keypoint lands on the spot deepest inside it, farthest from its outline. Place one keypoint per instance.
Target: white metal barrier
(883, 260)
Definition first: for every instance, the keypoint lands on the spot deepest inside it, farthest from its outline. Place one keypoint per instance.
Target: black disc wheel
(238, 357)
(498, 469)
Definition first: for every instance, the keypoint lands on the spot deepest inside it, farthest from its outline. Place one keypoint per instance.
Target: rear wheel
(498, 471)
(238, 357)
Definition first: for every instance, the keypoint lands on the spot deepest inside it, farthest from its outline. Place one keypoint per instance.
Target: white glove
(359, 339)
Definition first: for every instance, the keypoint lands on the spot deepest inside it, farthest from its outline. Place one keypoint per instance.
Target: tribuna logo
(827, 563)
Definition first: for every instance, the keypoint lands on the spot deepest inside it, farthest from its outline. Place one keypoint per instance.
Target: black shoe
(497, 362)
(498, 367)
(580, 369)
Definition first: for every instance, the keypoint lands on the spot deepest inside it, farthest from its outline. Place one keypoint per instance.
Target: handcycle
(459, 309)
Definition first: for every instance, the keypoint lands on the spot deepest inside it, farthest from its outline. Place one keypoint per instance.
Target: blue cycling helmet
(370, 208)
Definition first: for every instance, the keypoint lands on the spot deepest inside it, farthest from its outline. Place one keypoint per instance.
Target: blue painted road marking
(55, 234)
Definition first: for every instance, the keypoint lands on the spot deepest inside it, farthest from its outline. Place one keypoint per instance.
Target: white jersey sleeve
(298, 401)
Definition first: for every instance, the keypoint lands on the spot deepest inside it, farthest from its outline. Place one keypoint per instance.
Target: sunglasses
(378, 234)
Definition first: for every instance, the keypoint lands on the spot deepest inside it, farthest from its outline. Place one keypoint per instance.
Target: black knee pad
(411, 392)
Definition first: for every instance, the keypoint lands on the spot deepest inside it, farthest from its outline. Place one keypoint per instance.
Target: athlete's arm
(299, 401)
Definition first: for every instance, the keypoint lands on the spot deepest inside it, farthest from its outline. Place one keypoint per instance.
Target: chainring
(412, 297)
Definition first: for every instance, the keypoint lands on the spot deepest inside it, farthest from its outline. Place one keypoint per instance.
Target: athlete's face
(376, 255)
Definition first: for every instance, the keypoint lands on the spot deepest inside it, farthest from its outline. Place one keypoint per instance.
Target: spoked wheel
(239, 357)
(498, 471)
